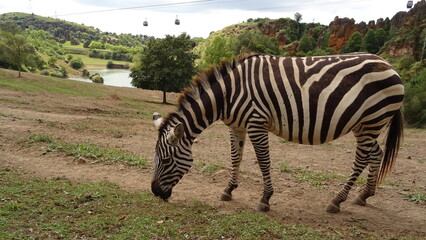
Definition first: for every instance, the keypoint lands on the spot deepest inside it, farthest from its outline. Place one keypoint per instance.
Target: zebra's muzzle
(157, 191)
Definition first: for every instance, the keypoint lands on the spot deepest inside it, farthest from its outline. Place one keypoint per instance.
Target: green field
(96, 62)
(33, 208)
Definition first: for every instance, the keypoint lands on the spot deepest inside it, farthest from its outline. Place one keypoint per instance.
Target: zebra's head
(172, 158)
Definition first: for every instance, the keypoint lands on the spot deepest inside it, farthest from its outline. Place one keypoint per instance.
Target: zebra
(306, 100)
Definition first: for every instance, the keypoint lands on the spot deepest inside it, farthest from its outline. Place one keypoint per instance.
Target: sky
(198, 18)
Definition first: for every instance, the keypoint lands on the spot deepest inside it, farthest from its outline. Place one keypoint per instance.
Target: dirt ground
(112, 122)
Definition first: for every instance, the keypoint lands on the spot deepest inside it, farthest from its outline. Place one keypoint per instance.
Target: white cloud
(198, 17)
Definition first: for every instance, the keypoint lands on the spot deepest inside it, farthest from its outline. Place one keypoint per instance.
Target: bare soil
(111, 121)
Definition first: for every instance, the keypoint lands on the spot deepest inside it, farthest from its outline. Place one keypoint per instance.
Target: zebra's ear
(157, 120)
(175, 134)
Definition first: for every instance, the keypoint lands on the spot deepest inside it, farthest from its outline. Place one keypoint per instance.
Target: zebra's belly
(304, 134)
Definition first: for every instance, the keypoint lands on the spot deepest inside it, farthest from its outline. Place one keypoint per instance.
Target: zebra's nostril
(156, 189)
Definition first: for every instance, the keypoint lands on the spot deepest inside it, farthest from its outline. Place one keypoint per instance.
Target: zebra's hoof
(358, 201)
(332, 208)
(262, 207)
(225, 197)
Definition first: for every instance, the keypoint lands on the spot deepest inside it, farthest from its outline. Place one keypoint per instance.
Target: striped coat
(309, 100)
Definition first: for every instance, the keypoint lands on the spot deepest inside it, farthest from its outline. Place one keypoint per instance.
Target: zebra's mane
(202, 82)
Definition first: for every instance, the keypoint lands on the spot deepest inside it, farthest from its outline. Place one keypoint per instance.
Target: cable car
(177, 21)
(410, 4)
(145, 23)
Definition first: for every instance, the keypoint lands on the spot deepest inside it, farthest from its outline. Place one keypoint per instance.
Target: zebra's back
(314, 100)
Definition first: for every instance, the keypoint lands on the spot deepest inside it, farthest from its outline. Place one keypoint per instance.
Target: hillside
(63, 31)
(404, 33)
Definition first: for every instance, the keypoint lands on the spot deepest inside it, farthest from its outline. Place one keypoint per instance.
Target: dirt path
(78, 119)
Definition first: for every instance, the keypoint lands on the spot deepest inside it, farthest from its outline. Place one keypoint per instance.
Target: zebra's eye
(166, 160)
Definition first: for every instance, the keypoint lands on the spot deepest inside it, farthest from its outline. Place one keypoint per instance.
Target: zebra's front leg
(259, 138)
(370, 187)
(238, 137)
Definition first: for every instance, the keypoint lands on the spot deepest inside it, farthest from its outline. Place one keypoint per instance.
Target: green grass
(40, 138)
(417, 197)
(211, 168)
(14, 101)
(284, 167)
(316, 179)
(34, 208)
(67, 44)
(97, 62)
(90, 150)
(40, 84)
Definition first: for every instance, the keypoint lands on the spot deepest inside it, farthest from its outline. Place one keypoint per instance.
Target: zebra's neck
(203, 103)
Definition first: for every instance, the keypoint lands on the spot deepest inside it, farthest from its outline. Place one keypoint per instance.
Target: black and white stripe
(309, 100)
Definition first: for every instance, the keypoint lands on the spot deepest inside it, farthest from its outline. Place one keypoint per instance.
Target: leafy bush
(369, 42)
(57, 74)
(354, 43)
(76, 63)
(307, 43)
(97, 78)
(45, 72)
(415, 100)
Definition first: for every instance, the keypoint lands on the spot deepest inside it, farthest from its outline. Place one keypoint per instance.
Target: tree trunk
(164, 97)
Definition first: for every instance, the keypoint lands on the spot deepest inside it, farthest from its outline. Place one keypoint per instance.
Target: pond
(112, 77)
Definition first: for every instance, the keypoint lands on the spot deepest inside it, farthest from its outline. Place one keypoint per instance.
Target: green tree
(306, 44)
(14, 47)
(166, 65)
(415, 100)
(354, 43)
(76, 63)
(217, 51)
(369, 42)
(255, 42)
(381, 37)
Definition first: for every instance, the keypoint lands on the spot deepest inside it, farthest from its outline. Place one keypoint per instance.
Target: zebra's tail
(393, 141)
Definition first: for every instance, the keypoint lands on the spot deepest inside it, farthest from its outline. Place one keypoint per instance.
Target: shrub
(354, 43)
(76, 63)
(86, 73)
(52, 61)
(64, 71)
(307, 43)
(57, 74)
(415, 100)
(69, 57)
(45, 72)
(97, 78)
(110, 64)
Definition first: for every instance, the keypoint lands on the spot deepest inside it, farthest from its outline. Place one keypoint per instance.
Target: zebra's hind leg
(369, 189)
(363, 150)
(238, 137)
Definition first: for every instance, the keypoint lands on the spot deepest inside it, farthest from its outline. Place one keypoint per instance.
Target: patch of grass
(39, 84)
(316, 179)
(89, 150)
(40, 138)
(97, 62)
(33, 208)
(284, 167)
(14, 101)
(286, 142)
(211, 168)
(416, 197)
(80, 127)
(48, 123)
(93, 151)
(116, 133)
